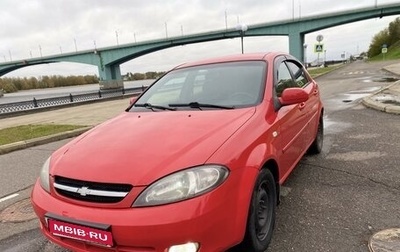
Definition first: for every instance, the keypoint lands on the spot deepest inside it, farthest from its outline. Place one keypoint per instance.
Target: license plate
(79, 232)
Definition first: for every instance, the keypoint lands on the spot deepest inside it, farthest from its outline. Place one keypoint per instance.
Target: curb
(380, 106)
(390, 71)
(7, 148)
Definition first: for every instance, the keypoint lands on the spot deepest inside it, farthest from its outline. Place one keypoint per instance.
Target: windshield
(214, 86)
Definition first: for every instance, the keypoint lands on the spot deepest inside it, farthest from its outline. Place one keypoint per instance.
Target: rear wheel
(261, 219)
(316, 146)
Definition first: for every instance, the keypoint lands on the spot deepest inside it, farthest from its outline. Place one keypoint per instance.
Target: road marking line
(9, 197)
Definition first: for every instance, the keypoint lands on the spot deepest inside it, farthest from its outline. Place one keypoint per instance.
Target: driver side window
(284, 79)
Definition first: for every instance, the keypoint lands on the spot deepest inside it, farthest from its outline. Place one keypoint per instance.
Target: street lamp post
(305, 55)
(242, 28)
(299, 9)
(226, 20)
(116, 36)
(293, 10)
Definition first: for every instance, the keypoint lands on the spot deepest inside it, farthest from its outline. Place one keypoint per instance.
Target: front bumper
(215, 220)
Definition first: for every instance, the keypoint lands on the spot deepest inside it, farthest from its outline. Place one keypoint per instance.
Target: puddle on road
(385, 241)
(386, 79)
(354, 97)
(387, 99)
(392, 102)
(359, 94)
(333, 127)
(381, 79)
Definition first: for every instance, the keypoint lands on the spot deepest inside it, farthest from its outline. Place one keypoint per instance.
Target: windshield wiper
(152, 107)
(200, 105)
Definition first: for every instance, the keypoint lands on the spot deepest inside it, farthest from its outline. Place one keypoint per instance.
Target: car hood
(139, 148)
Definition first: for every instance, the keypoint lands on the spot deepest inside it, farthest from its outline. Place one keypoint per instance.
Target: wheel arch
(272, 165)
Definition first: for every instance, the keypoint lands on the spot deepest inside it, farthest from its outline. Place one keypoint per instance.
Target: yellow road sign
(319, 48)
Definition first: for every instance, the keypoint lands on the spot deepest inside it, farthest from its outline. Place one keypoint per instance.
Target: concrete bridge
(109, 59)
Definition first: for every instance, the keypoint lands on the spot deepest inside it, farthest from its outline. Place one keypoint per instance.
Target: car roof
(233, 58)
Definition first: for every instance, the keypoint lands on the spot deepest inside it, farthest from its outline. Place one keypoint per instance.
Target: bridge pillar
(110, 77)
(296, 45)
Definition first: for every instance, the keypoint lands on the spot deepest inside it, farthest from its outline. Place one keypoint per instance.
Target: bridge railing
(36, 104)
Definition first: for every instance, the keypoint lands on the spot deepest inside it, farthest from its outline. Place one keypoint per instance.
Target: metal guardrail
(33, 104)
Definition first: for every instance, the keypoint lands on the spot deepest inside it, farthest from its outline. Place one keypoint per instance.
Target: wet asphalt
(334, 201)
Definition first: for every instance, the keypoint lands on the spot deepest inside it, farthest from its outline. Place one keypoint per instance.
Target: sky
(30, 28)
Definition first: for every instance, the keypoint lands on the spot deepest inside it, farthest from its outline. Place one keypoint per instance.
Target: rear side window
(299, 76)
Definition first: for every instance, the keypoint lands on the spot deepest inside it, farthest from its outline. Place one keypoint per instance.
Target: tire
(316, 146)
(261, 219)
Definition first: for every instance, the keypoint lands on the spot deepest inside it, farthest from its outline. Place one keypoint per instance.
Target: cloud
(54, 26)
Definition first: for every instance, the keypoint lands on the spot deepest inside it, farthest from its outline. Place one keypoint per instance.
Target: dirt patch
(18, 212)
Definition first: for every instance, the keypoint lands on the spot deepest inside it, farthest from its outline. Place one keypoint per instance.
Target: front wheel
(261, 219)
(316, 146)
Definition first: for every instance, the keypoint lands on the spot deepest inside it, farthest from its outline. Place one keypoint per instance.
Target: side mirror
(293, 96)
(132, 100)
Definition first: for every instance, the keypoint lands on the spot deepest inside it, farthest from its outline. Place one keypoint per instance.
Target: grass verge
(315, 72)
(393, 53)
(26, 132)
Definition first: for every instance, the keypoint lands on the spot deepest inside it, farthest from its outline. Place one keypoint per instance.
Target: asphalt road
(332, 202)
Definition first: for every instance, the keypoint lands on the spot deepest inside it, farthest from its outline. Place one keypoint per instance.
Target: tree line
(14, 84)
(387, 37)
(9, 85)
(143, 76)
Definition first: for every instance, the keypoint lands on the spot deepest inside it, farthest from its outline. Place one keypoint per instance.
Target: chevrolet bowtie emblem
(83, 191)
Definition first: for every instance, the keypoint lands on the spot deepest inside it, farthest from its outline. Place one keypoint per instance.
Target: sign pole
(319, 39)
(384, 50)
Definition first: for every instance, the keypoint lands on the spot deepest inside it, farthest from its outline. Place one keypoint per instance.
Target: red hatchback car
(194, 164)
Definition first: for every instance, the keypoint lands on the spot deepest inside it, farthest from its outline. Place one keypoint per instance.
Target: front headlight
(182, 185)
(45, 175)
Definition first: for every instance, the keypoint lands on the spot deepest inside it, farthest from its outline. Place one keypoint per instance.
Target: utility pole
(116, 36)
(293, 10)
(226, 20)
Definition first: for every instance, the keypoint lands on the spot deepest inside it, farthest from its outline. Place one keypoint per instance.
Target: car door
(311, 106)
(292, 119)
